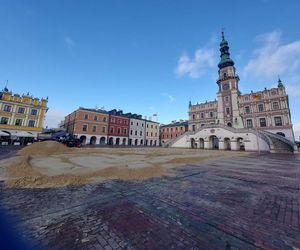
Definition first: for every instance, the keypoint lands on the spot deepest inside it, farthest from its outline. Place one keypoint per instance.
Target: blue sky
(145, 56)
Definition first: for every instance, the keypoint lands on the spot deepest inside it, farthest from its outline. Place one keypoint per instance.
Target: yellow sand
(48, 164)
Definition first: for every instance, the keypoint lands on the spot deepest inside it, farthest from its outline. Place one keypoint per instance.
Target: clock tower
(228, 110)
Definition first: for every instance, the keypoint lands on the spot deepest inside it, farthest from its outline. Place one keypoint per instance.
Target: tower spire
(225, 55)
(280, 84)
(223, 38)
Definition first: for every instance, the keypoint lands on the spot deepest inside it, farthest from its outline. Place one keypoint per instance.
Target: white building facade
(152, 134)
(254, 121)
(136, 131)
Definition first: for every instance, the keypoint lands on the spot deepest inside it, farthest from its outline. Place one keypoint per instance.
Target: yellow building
(21, 116)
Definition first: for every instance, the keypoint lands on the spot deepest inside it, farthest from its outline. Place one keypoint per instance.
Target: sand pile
(45, 148)
(51, 164)
(122, 172)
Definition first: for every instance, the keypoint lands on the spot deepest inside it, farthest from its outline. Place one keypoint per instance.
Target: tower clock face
(226, 86)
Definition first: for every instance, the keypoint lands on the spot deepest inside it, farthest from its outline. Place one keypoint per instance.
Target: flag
(256, 97)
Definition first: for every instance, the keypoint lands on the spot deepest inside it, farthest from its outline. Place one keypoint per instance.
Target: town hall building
(255, 121)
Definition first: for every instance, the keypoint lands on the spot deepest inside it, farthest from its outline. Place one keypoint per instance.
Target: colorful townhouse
(90, 125)
(172, 130)
(118, 128)
(152, 133)
(21, 116)
(136, 130)
(100, 127)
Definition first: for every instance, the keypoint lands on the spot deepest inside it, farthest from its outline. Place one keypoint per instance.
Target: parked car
(70, 141)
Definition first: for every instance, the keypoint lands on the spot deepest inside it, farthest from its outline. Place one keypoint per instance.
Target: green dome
(280, 84)
(225, 55)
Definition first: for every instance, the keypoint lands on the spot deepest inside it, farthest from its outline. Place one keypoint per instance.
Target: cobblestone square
(239, 202)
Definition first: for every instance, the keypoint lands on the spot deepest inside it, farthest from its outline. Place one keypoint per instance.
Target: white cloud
(274, 58)
(69, 42)
(169, 97)
(293, 90)
(296, 128)
(197, 66)
(54, 117)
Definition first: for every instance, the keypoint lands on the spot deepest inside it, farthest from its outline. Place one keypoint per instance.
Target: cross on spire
(222, 30)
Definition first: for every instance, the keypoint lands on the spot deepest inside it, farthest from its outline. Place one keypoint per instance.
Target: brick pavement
(247, 202)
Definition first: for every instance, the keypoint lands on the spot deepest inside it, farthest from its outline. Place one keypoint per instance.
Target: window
(249, 123)
(4, 120)
(147, 125)
(124, 131)
(142, 125)
(194, 127)
(118, 131)
(135, 133)
(95, 118)
(84, 128)
(31, 123)
(151, 133)
(131, 123)
(211, 114)
(131, 132)
(94, 128)
(278, 121)
(137, 123)
(33, 112)
(119, 121)
(181, 128)
(7, 108)
(21, 110)
(171, 129)
(125, 122)
(156, 126)
(275, 105)
(104, 119)
(176, 129)
(193, 117)
(226, 98)
(86, 116)
(18, 122)
(247, 109)
(147, 133)
(260, 107)
(155, 134)
(103, 129)
(151, 126)
(202, 115)
(227, 111)
(111, 130)
(141, 133)
(262, 122)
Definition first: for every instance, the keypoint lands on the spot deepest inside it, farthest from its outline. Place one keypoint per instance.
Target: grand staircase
(279, 144)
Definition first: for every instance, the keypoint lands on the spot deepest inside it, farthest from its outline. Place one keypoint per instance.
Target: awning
(21, 134)
(2, 133)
